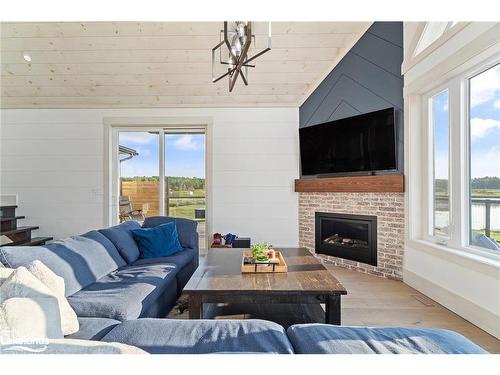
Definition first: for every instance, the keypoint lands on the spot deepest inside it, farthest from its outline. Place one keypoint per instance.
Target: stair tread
(11, 218)
(33, 241)
(19, 230)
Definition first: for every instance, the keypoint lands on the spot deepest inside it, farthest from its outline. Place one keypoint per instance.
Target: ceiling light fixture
(26, 57)
(236, 41)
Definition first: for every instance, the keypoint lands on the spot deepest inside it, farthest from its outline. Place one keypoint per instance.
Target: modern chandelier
(236, 51)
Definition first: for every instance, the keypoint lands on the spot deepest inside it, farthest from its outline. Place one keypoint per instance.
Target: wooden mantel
(393, 183)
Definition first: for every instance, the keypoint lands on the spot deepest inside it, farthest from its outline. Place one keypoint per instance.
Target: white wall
(465, 282)
(54, 161)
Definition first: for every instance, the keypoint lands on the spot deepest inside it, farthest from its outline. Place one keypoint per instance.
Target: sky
(485, 123)
(184, 154)
(484, 126)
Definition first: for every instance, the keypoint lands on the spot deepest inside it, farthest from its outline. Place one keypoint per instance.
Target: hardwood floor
(374, 301)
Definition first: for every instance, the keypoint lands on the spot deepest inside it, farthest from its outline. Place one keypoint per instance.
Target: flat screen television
(361, 144)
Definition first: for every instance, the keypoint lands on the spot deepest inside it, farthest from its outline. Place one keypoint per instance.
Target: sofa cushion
(78, 260)
(202, 336)
(69, 321)
(93, 328)
(121, 236)
(28, 308)
(125, 293)
(5, 273)
(108, 245)
(186, 228)
(329, 339)
(70, 346)
(160, 241)
(180, 259)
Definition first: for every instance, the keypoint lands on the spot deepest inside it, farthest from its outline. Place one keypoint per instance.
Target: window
(433, 30)
(484, 159)
(439, 113)
(462, 179)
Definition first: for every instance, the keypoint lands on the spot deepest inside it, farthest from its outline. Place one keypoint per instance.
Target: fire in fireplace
(347, 236)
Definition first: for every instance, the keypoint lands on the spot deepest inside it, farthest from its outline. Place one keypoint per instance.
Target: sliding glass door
(185, 188)
(161, 171)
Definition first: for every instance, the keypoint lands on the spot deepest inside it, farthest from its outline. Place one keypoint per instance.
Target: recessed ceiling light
(26, 56)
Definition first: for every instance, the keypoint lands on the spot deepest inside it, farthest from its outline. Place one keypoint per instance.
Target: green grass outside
(185, 207)
(185, 211)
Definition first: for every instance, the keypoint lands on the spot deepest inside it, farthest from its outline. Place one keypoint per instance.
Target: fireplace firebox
(352, 237)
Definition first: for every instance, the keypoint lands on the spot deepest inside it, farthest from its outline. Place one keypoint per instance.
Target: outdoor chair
(127, 212)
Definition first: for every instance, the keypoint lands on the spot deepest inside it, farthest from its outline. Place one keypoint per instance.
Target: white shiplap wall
(54, 161)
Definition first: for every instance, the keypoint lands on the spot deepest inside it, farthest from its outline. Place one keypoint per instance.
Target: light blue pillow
(160, 241)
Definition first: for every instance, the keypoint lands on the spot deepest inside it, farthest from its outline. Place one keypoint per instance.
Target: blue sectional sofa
(121, 298)
(103, 273)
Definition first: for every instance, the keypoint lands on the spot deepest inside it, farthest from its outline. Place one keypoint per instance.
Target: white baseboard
(468, 310)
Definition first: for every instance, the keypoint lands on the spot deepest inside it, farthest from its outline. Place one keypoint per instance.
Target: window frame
(466, 146)
(429, 179)
(459, 169)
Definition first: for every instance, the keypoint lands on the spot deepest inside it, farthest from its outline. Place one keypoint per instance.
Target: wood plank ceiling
(151, 64)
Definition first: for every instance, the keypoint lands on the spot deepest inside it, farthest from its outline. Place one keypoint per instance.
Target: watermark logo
(24, 344)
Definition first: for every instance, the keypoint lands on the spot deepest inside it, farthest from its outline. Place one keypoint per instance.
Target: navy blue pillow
(160, 241)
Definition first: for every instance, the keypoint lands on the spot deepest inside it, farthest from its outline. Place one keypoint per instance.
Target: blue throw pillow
(160, 241)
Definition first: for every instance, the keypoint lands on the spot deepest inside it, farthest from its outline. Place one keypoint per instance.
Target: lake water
(478, 217)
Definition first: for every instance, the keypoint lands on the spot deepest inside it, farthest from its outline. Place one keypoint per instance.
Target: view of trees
(482, 183)
(486, 183)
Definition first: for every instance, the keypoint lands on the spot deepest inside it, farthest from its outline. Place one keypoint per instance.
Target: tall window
(484, 140)
(439, 120)
(463, 170)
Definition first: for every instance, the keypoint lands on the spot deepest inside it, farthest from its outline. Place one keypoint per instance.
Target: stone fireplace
(361, 231)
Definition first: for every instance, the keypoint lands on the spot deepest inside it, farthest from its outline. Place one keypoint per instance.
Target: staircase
(12, 235)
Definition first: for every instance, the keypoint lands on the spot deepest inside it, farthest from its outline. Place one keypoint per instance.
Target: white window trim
(435, 32)
(413, 58)
(459, 173)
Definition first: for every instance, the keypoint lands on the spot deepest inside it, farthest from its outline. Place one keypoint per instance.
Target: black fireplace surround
(346, 236)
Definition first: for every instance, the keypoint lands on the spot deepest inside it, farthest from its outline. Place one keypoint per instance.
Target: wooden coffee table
(219, 280)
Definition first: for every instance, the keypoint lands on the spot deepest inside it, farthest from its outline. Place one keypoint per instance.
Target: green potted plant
(259, 252)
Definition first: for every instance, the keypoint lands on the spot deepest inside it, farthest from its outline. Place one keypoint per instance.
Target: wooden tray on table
(277, 267)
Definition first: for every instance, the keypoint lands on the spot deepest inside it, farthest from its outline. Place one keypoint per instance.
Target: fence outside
(145, 195)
